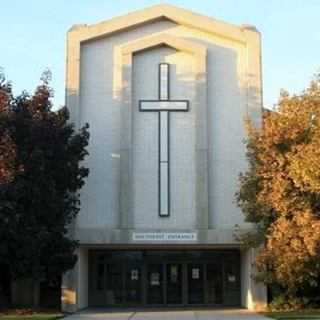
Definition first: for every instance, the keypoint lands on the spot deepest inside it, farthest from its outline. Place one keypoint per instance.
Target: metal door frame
(144, 279)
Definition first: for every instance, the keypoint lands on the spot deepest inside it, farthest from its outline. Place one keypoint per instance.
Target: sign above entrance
(164, 236)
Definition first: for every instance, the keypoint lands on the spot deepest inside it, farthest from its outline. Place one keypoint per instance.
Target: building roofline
(159, 11)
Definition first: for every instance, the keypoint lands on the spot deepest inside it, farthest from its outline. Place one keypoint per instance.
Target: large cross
(164, 106)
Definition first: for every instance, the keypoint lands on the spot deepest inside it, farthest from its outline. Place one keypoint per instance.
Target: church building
(166, 93)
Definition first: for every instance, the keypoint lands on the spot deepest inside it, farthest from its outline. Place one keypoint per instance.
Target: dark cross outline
(167, 110)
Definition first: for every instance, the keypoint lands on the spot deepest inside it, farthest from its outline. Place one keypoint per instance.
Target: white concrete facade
(113, 65)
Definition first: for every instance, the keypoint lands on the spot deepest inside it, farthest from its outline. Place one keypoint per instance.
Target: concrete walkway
(230, 314)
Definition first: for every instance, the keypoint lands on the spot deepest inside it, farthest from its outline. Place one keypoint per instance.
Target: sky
(33, 33)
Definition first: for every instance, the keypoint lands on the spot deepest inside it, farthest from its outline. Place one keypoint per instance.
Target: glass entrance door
(174, 283)
(133, 288)
(114, 284)
(155, 282)
(214, 283)
(195, 283)
(120, 278)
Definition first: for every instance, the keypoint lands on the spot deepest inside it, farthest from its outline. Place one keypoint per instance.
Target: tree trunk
(5, 286)
(35, 293)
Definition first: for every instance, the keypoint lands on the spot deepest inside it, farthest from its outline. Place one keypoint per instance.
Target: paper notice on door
(231, 278)
(174, 274)
(134, 274)
(195, 273)
(155, 279)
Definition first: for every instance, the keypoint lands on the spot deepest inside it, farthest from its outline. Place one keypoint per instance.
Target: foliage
(285, 303)
(7, 146)
(41, 173)
(280, 191)
(31, 317)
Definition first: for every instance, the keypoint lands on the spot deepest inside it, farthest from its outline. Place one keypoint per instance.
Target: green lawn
(30, 317)
(294, 315)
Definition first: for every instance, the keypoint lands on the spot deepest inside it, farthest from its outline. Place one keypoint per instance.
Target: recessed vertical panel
(163, 106)
(164, 81)
(163, 136)
(164, 189)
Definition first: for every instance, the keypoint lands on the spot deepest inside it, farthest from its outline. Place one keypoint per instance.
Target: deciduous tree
(41, 175)
(7, 146)
(280, 191)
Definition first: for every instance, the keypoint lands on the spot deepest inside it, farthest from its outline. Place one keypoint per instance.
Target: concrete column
(74, 294)
(254, 74)
(82, 300)
(201, 106)
(126, 160)
(253, 294)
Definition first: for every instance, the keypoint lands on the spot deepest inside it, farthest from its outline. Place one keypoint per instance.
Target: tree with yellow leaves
(280, 192)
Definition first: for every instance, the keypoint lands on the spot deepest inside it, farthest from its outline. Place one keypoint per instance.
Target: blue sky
(32, 36)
